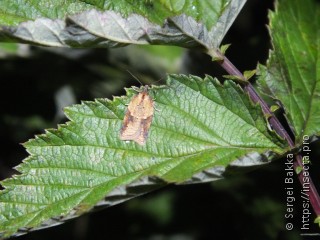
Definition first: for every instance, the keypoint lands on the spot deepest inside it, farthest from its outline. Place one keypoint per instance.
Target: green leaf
(199, 128)
(317, 220)
(224, 48)
(274, 108)
(185, 23)
(8, 48)
(14, 49)
(249, 74)
(292, 74)
(14, 12)
(154, 59)
(298, 170)
(236, 78)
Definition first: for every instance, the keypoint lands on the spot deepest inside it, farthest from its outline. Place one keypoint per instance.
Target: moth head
(144, 88)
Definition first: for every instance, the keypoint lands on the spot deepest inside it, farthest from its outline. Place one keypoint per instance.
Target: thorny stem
(277, 126)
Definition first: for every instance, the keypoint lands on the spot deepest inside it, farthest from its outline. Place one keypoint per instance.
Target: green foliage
(8, 48)
(58, 25)
(200, 128)
(14, 12)
(293, 71)
(198, 125)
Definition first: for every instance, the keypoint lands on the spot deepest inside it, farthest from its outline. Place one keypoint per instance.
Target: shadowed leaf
(186, 23)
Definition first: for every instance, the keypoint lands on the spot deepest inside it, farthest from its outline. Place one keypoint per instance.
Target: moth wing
(138, 118)
(131, 127)
(143, 134)
(141, 106)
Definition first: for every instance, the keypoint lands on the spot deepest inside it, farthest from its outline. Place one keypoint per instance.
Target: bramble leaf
(292, 74)
(185, 23)
(200, 129)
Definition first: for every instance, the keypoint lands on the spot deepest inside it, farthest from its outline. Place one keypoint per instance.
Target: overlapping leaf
(203, 23)
(199, 128)
(14, 12)
(293, 71)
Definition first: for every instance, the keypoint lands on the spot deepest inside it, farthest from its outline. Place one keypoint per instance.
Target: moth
(138, 118)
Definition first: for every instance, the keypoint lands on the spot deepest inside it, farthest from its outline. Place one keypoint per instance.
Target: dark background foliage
(249, 206)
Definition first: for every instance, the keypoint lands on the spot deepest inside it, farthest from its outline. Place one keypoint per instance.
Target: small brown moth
(138, 118)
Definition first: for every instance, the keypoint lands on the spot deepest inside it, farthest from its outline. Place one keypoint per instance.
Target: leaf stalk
(227, 65)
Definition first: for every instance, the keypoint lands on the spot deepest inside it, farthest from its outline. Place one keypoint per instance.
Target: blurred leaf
(199, 128)
(163, 211)
(154, 60)
(160, 58)
(63, 97)
(203, 23)
(292, 74)
(14, 49)
(9, 47)
(265, 208)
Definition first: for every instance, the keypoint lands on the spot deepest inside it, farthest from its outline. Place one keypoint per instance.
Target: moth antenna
(162, 78)
(134, 77)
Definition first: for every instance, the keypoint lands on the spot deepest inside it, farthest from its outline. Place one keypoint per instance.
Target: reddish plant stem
(277, 126)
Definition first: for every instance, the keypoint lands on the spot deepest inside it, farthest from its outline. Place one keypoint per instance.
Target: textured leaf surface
(125, 22)
(199, 128)
(293, 71)
(14, 12)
